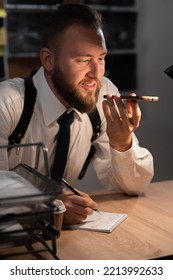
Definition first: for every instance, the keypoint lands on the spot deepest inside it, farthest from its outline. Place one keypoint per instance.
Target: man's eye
(86, 60)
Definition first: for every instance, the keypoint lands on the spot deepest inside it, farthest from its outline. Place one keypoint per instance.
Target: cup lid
(59, 205)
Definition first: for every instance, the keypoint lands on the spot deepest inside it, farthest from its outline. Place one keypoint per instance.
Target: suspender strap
(87, 161)
(29, 101)
(96, 122)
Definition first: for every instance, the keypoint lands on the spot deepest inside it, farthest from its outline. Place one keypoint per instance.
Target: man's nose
(95, 70)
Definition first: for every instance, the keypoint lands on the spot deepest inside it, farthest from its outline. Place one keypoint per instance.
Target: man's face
(79, 67)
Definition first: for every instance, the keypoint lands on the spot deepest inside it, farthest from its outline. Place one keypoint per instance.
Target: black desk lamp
(169, 71)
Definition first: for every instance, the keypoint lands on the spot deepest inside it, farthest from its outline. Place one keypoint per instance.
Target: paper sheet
(104, 222)
(12, 185)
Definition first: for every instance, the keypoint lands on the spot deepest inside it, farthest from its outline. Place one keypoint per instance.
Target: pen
(75, 192)
(143, 97)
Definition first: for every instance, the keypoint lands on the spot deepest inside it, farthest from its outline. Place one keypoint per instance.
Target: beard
(71, 94)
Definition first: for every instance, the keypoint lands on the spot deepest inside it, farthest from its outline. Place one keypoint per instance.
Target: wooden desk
(147, 233)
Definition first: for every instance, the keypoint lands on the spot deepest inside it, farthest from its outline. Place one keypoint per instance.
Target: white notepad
(103, 221)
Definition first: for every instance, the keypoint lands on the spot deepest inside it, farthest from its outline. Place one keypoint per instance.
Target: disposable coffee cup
(58, 214)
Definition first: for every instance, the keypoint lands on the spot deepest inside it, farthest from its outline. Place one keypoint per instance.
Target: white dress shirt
(130, 171)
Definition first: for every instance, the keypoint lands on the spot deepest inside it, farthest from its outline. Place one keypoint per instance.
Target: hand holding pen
(78, 204)
(75, 192)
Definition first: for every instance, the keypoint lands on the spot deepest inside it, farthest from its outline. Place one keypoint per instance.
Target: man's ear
(47, 59)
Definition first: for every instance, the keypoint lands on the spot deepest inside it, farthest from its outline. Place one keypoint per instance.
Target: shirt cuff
(135, 152)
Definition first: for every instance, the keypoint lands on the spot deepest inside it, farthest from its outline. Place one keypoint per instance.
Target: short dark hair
(65, 16)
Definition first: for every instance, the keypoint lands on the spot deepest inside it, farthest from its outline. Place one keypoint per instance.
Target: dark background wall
(155, 53)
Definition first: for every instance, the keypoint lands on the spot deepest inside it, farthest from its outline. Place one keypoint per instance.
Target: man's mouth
(89, 85)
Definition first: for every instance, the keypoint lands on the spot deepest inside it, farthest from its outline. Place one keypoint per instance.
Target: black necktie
(63, 139)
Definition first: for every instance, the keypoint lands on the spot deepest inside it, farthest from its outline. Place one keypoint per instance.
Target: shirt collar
(51, 107)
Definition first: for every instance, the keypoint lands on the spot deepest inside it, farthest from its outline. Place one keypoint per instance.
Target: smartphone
(143, 97)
